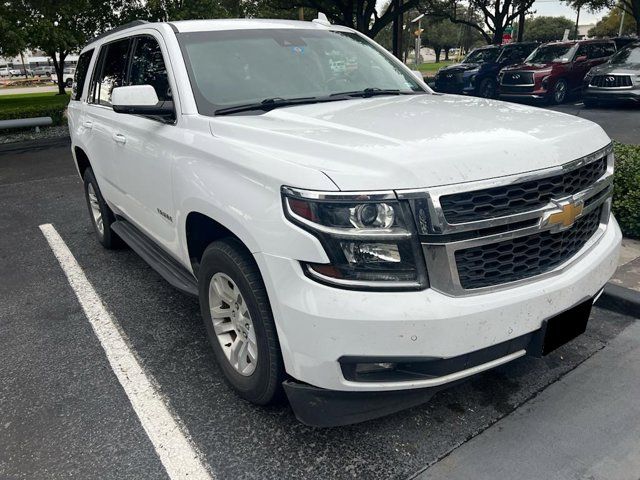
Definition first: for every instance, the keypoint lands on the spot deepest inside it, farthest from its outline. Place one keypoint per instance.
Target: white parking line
(177, 454)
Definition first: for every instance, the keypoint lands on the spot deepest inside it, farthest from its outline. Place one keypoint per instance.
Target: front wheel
(559, 92)
(237, 315)
(488, 88)
(69, 83)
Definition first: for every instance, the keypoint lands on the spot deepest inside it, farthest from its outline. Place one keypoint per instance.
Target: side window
(582, 51)
(113, 70)
(609, 49)
(148, 67)
(596, 50)
(81, 74)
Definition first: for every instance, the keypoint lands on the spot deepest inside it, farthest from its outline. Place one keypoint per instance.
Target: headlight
(369, 238)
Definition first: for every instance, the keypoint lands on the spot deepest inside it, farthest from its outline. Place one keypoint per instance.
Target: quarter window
(148, 67)
(81, 74)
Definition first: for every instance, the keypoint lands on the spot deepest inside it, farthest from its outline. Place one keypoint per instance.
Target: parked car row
(549, 72)
(67, 76)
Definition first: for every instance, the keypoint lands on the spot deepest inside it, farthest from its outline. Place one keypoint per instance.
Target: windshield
(631, 54)
(551, 54)
(482, 55)
(240, 67)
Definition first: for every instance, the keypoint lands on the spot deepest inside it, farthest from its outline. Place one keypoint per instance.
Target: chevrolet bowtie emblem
(569, 211)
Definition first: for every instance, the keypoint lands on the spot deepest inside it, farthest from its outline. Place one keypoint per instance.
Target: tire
(99, 212)
(69, 83)
(559, 93)
(227, 262)
(488, 88)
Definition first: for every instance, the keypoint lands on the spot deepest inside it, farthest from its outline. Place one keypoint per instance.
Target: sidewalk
(585, 426)
(622, 293)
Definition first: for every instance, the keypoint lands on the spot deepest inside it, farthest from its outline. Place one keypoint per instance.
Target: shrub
(626, 190)
(34, 105)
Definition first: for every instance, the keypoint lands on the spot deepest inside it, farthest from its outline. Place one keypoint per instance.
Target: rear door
(101, 120)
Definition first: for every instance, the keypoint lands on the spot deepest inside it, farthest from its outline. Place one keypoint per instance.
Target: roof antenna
(322, 20)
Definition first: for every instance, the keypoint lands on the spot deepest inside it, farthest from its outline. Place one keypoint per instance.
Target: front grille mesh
(523, 257)
(512, 199)
(611, 81)
(517, 78)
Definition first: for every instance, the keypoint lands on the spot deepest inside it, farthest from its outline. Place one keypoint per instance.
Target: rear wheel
(101, 215)
(488, 88)
(237, 315)
(559, 92)
(69, 83)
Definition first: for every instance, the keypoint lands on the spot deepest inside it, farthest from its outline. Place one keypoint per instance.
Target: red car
(554, 70)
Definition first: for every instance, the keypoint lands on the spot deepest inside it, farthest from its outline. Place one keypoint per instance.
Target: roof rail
(135, 23)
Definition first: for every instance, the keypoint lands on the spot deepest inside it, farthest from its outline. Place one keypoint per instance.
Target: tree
(169, 10)
(362, 15)
(440, 34)
(631, 7)
(546, 29)
(609, 25)
(496, 14)
(59, 27)
(12, 40)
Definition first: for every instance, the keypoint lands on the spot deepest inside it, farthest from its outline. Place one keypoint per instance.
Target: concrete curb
(620, 299)
(15, 147)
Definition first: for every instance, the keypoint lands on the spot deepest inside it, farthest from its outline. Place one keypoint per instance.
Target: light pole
(418, 42)
(621, 23)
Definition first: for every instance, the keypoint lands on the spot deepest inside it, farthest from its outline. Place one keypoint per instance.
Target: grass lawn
(432, 67)
(29, 105)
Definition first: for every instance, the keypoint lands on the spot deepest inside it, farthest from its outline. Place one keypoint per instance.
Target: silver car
(617, 80)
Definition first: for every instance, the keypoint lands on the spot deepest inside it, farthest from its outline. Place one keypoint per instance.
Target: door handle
(119, 138)
(87, 125)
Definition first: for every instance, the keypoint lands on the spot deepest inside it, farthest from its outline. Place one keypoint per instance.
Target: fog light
(374, 367)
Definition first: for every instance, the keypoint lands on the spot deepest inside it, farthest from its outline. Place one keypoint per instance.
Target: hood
(533, 67)
(623, 68)
(413, 141)
(460, 67)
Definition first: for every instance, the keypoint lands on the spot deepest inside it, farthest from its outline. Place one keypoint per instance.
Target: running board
(156, 257)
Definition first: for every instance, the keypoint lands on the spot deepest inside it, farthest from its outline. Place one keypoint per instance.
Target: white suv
(354, 239)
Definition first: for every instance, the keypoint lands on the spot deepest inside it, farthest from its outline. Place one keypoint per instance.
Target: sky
(556, 8)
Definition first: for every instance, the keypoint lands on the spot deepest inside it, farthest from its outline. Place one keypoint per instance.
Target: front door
(145, 148)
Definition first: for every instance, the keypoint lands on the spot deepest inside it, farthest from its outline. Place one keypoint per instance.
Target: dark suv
(554, 70)
(477, 74)
(616, 80)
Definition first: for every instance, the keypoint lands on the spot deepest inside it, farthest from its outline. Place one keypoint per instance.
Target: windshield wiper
(372, 92)
(266, 104)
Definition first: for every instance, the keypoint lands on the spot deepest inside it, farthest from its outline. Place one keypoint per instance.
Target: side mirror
(581, 58)
(418, 75)
(140, 100)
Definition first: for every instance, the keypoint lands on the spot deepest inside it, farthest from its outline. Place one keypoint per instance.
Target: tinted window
(81, 74)
(148, 67)
(609, 49)
(482, 55)
(596, 50)
(113, 71)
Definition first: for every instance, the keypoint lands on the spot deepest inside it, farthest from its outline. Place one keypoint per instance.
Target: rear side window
(81, 74)
(112, 66)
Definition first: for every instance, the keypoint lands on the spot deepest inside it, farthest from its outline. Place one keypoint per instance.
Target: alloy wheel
(232, 324)
(95, 209)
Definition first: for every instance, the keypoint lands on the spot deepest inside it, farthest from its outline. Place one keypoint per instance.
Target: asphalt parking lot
(64, 414)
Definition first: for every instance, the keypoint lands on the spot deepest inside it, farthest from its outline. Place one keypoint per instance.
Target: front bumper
(318, 325)
(611, 95)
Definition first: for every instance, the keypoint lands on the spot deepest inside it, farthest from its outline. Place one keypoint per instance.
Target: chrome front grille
(611, 81)
(523, 257)
(517, 78)
(509, 199)
(493, 234)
